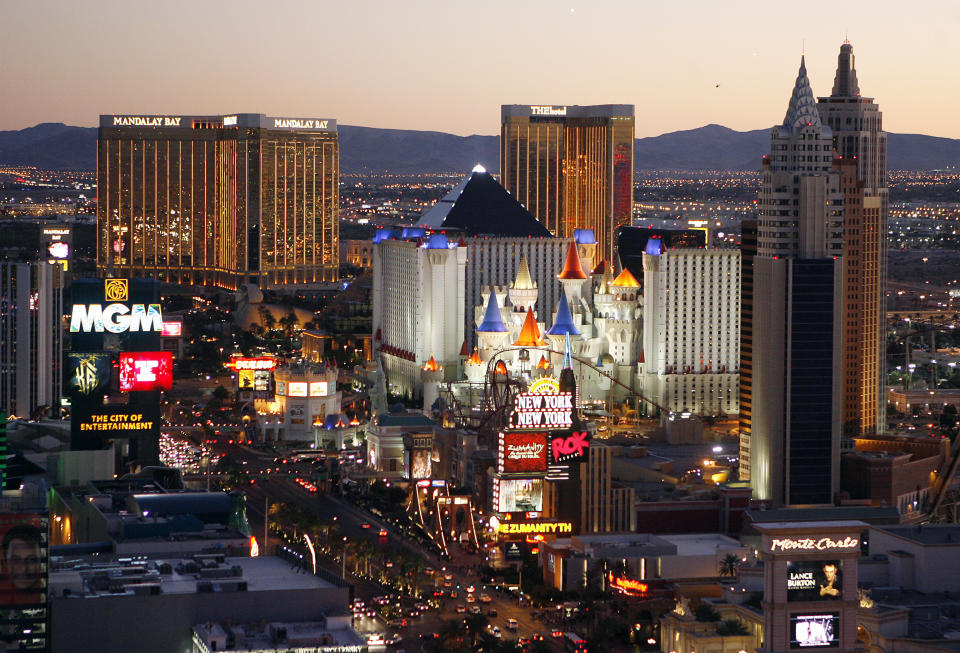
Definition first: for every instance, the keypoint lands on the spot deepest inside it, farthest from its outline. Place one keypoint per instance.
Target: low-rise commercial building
(152, 604)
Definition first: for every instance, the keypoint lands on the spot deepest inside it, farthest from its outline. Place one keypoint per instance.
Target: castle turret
(523, 291)
(563, 324)
(572, 277)
(431, 374)
(492, 332)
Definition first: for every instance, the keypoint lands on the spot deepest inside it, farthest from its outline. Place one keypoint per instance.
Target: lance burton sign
(812, 544)
(572, 447)
(522, 452)
(541, 411)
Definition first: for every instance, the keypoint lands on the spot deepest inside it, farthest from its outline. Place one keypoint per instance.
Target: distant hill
(369, 149)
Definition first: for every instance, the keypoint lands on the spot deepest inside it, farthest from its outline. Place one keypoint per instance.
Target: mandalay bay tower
(218, 200)
(571, 166)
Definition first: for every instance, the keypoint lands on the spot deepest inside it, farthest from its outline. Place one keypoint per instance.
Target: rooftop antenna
(803, 47)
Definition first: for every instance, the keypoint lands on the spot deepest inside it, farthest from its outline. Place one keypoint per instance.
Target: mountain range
(56, 146)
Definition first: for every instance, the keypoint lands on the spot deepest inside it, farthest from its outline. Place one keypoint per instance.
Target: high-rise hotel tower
(571, 166)
(859, 139)
(798, 312)
(218, 200)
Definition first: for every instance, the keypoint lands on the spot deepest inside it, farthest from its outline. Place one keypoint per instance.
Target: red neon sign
(257, 363)
(627, 586)
(171, 329)
(142, 371)
(522, 452)
(566, 448)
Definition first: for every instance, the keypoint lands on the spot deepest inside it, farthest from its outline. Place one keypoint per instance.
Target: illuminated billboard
(120, 421)
(420, 464)
(319, 388)
(520, 495)
(815, 630)
(253, 363)
(88, 374)
(297, 389)
(541, 411)
(814, 580)
(522, 452)
(569, 446)
(23, 592)
(172, 329)
(143, 371)
(23, 547)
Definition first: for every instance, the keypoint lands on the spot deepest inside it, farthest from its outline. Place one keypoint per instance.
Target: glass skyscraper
(571, 166)
(218, 200)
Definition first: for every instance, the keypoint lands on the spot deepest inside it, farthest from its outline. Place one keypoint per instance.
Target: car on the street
(475, 609)
(393, 640)
(383, 532)
(461, 609)
(557, 634)
(512, 623)
(485, 598)
(364, 525)
(471, 598)
(495, 631)
(491, 612)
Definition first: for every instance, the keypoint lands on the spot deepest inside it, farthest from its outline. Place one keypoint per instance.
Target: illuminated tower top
(845, 82)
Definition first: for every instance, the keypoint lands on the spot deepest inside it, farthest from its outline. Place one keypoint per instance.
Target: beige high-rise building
(859, 139)
(571, 166)
(219, 200)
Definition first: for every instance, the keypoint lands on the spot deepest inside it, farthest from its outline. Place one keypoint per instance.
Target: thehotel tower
(859, 139)
(218, 200)
(571, 166)
(798, 318)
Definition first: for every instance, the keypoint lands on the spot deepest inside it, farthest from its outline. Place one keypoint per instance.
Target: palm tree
(730, 565)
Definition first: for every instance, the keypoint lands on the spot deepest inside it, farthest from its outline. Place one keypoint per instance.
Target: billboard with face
(23, 554)
(814, 580)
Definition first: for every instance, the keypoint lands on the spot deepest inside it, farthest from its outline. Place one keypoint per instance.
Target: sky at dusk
(448, 65)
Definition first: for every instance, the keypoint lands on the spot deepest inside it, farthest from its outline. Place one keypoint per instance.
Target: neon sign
(565, 448)
(551, 527)
(811, 544)
(294, 123)
(548, 111)
(145, 121)
(627, 586)
(142, 371)
(115, 318)
(541, 411)
(263, 363)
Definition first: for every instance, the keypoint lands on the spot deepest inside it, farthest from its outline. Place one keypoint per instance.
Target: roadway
(351, 520)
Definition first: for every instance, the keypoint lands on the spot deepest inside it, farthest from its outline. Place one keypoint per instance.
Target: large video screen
(23, 546)
(814, 580)
(88, 374)
(815, 630)
(522, 452)
(143, 371)
(520, 495)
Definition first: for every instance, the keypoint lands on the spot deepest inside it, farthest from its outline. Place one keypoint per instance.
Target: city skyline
(680, 70)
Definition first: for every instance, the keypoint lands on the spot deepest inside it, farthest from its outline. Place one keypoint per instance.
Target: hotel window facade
(218, 200)
(571, 167)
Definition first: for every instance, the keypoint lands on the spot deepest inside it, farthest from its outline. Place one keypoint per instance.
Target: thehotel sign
(812, 544)
(548, 111)
(146, 121)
